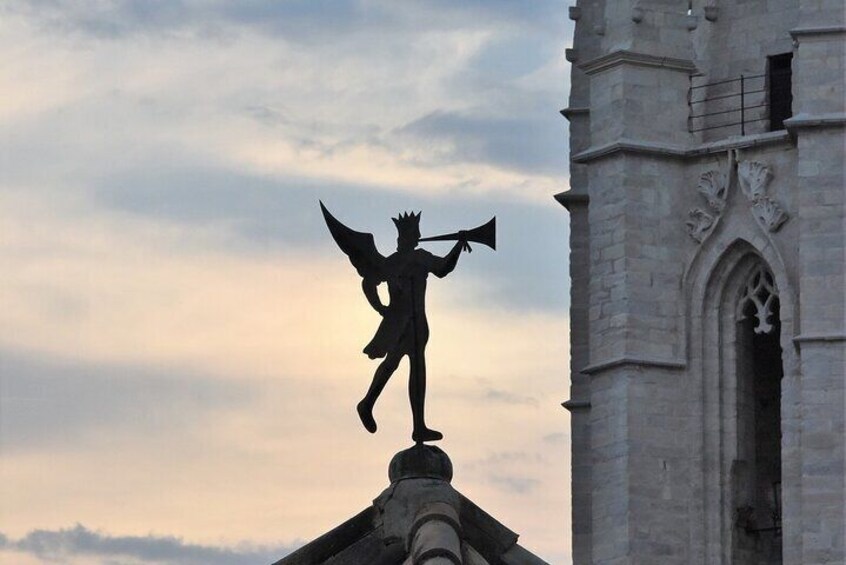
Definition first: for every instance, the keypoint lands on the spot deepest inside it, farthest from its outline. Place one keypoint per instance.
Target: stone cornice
(571, 404)
(816, 31)
(806, 121)
(570, 199)
(819, 338)
(740, 142)
(629, 146)
(625, 57)
(629, 361)
(679, 151)
(574, 111)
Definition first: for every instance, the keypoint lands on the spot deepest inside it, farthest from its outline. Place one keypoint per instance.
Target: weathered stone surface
(660, 394)
(418, 520)
(420, 461)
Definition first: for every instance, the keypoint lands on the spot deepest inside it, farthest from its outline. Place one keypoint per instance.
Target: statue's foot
(419, 436)
(365, 413)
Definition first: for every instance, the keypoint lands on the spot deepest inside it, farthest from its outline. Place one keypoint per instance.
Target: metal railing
(728, 103)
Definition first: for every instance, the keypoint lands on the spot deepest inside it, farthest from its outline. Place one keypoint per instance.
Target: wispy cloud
(61, 401)
(519, 485)
(527, 144)
(269, 213)
(507, 397)
(294, 19)
(64, 545)
(556, 438)
(176, 321)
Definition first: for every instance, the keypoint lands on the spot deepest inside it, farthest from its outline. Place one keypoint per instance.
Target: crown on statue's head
(408, 223)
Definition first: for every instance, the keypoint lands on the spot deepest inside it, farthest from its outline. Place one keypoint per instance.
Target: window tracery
(761, 292)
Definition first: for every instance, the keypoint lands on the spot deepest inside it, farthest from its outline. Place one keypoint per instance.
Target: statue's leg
(417, 396)
(383, 372)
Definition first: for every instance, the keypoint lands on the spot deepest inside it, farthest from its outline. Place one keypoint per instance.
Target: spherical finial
(420, 462)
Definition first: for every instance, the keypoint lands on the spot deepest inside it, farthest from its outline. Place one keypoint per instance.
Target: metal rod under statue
(403, 330)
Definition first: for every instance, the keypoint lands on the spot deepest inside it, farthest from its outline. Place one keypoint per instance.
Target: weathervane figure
(404, 329)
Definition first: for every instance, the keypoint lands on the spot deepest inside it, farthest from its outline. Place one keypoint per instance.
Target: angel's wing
(358, 246)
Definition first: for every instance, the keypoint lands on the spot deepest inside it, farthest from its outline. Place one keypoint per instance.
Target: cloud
(556, 438)
(163, 252)
(302, 20)
(52, 402)
(504, 396)
(270, 213)
(528, 144)
(323, 115)
(498, 458)
(79, 541)
(518, 485)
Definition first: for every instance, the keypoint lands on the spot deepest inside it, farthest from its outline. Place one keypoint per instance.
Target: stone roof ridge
(420, 519)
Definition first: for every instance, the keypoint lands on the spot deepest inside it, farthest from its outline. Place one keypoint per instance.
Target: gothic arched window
(757, 476)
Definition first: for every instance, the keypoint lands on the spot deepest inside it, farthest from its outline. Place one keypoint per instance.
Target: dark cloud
(518, 129)
(262, 211)
(58, 545)
(107, 20)
(530, 144)
(513, 56)
(310, 21)
(528, 270)
(47, 402)
(540, 15)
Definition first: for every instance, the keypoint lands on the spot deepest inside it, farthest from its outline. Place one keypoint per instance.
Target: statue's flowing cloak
(392, 331)
(404, 327)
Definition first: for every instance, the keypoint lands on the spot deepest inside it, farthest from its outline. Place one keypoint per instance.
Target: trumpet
(484, 234)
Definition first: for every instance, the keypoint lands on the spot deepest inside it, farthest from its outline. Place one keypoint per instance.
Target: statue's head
(408, 230)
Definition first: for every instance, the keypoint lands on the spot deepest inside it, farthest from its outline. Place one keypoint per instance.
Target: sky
(180, 339)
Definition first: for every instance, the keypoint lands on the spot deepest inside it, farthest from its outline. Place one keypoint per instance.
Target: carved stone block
(769, 213)
(712, 185)
(699, 224)
(711, 13)
(754, 177)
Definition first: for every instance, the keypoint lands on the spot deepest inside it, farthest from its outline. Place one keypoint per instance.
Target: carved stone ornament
(699, 223)
(761, 292)
(692, 21)
(712, 185)
(754, 178)
(711, 13)
(769, 213)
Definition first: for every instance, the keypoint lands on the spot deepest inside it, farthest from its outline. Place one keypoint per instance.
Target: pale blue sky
(180, 340)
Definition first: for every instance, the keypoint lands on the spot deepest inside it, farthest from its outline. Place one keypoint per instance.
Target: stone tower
(708, 270)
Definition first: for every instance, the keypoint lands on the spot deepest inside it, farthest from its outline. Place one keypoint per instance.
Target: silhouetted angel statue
(403, 330)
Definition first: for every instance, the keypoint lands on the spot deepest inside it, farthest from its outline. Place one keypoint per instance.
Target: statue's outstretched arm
(442, 266)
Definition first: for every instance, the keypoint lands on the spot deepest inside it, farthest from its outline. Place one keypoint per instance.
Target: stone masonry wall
(655, 435)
